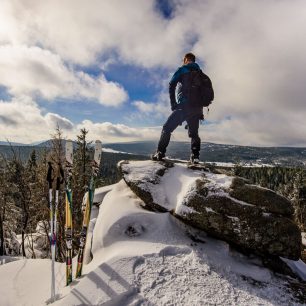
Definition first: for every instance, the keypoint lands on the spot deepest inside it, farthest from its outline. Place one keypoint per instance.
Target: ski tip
(98, 152)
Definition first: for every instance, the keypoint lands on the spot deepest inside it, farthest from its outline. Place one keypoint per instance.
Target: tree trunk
(24, 227)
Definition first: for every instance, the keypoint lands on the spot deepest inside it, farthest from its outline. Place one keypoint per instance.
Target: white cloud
(145, 107)
(55, 120)
(158, 109)
(35, 71)
(247, 130)
(254, 52)
(111, 93)
(256, 62)
(109, 132)
(79, 31)
(257, 65)
(21, 120)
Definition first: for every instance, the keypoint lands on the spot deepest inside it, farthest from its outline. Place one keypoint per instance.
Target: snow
(236, 219)
(160, 265)
(298, 266)
(36, 244)
(304, 239)
(219, 184)
(244, 164)
(173, 187)
(208, 209)
(6, 259)
(142, 170)
(222, 181)
(222, 164)
(28, 281)
(146, 258)
(176, 184)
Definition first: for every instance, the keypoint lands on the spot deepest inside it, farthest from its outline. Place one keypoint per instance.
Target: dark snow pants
(177, 117)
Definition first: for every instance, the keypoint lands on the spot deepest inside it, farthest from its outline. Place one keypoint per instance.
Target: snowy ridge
(160, 262)
(146, 258)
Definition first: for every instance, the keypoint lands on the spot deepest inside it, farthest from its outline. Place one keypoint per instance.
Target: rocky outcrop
(253, 226)
(230, 208)
(143, 180)
(264, 198)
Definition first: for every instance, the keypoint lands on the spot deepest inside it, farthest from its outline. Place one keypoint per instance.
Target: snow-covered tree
(81, 176)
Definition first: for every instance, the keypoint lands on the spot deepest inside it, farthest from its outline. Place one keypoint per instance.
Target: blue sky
(109, 71)
(140, 83)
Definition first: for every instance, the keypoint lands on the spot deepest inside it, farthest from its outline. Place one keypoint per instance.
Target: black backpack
(201, 92)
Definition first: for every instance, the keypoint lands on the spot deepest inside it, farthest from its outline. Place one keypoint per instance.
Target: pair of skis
(68, 210)
(86, 212)
(89, 197)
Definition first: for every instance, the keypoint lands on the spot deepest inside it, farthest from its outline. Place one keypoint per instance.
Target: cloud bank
(34, 71)
(22, 120)
(254, 52)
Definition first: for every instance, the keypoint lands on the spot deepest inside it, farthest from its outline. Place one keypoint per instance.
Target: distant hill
(6, 143)
(22, 151)
(210, 152)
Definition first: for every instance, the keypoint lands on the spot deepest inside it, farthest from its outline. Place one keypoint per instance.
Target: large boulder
(250, 226)
(266, 199)
(253, 218)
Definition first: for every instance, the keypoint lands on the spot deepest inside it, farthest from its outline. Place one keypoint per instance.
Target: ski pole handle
(50, 175)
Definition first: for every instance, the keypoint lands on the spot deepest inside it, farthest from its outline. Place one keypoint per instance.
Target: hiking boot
(158, 156)
(194, 159)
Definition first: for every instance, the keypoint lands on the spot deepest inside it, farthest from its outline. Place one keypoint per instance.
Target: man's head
(189, 58)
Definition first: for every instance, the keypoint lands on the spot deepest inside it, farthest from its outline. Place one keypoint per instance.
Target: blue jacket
(181, 77)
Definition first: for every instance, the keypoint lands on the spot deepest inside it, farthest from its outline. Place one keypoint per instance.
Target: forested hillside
(24, 189)
(24, 192)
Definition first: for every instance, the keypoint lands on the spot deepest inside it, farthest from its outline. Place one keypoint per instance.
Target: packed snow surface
(146, 258)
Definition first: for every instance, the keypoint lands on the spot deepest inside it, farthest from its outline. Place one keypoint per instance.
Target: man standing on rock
(184, 108)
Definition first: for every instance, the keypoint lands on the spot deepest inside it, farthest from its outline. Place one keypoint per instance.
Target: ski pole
(52, 242)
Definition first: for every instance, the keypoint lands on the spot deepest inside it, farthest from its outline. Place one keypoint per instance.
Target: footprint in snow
(134, 230)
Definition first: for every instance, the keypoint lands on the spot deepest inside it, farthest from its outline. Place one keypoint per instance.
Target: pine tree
(8, 214)
(38, 206)
(21, 194)
(81, 176)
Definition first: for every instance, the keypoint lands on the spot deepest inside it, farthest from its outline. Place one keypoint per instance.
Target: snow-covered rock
(140, 257)
(11, 244)
(251, 217)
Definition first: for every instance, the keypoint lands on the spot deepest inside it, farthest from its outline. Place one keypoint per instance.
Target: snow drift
(142, 257)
